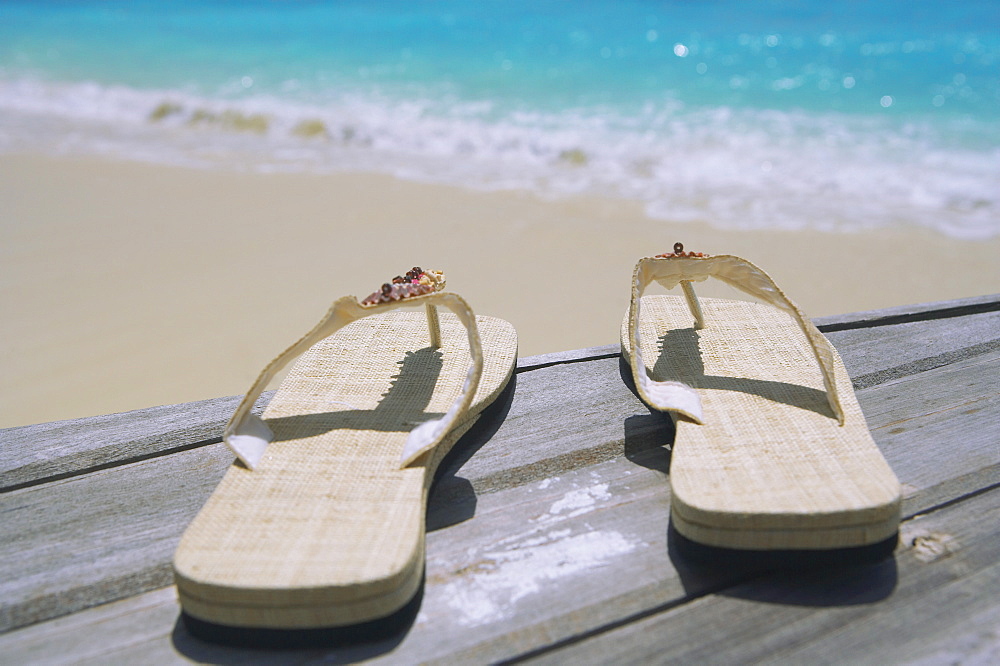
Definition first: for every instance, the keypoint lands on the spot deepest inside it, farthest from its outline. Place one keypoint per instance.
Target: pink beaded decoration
(401, 287)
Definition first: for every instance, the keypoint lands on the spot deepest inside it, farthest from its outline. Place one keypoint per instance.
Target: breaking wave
(733, 168)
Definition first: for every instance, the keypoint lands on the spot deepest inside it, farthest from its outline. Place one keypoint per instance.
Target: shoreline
(126, 285)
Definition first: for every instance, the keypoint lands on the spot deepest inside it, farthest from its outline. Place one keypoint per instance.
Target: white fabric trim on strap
(248, 436)
(741, 274)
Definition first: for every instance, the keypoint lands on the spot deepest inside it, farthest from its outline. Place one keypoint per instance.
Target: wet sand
(125, 285)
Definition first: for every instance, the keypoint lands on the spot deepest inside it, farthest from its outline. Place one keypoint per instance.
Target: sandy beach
(125, 285)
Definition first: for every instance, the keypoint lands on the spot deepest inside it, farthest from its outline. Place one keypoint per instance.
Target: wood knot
(933, 546)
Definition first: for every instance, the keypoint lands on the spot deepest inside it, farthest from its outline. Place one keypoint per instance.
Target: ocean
(839, 116)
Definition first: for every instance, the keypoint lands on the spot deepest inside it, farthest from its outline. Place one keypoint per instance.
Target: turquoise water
(839, 116)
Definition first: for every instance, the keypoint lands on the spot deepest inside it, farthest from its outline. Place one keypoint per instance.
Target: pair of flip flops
(319, 524)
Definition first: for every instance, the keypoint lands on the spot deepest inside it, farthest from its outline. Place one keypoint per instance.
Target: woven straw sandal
(320, 522)
(771, 450)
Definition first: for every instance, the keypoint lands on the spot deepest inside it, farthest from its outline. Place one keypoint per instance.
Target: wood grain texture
(533, 441)
(578, 561)
(927, 604)
(901, 314)
(588, 545)
(50, 451)
(906, 349)
(572, 356)
(35, 454)
(70, 544)
(923, 421)
(547, 523)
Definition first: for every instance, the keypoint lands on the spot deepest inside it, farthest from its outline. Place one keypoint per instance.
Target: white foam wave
(732, 168)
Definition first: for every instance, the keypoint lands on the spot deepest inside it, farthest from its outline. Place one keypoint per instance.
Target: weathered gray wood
(477, 575)
(621, 502)
(562, 417)
(534, 441)
(111, 533)
(573, 453)
(953, 329)
(926, 422)
(50, 451)
(586, 555)
(905, 349)
(575, 609)
(935, 603)
(959, 307)
(574, 355)
(137, 630)
(107, 535)
(87, 636)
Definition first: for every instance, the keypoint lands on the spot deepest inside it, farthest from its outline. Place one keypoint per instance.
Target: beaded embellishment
(416, 282)
(679, 252)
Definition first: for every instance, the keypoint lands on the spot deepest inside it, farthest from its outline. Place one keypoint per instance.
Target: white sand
(125, 286)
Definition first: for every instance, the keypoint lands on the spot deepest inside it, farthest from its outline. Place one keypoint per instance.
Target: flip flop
(771, 450)
(320, 522)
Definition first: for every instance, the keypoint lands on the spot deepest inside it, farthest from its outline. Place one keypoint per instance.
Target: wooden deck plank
(504, 587)
(51, 451)
(926, 604)
(562, 417)
(921, 421)
(490, 592)
(110, 534)
(137, 630)
(88, 636)
(571, 454)
(905, 349)
(473, 556)
(99, 537)
(960, 307)
(506, 597)
(871, 348)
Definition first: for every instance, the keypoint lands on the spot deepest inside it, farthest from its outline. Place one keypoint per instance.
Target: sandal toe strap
(683, 269)
(248, 436)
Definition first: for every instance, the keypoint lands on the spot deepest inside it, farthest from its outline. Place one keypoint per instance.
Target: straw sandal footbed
(770, 468)
(328, 530)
